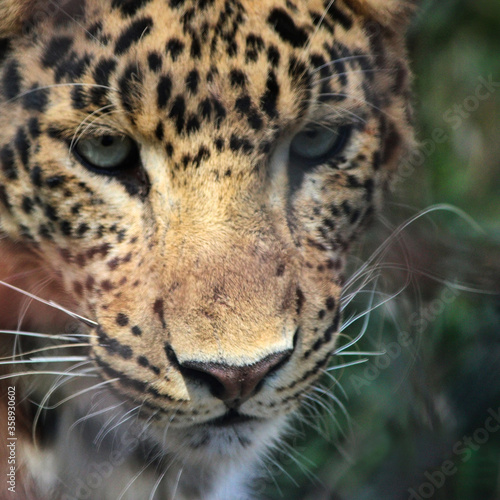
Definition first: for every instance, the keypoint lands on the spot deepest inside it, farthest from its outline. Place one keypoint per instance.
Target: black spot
(158, 309)
(353, 182)
(237, 143)
(66, 227)
(202, 155)
(174, 48)
(319, 20)
(232, 49)
(36, 176)
(169, 149)
(36, 99)
(192, 124)
(51, 213)
(137, 30)
(273, 56)
(128, 83)
(102, 73)
(4, 198)
(4, 48)
(192, 81)
(143, 361)
(297, 70)
(203, 4)
(195, 47)
(254, 46)
(122, 319)
(176, 3)
(159, 131)
(177, 112)
(281, 270)
(8, 163)
(113, 346)
(237, 78)
(79, 98)
(284, 25)
(56, 51)
(136, 331)
(73, 67)
(82, 229)
(330, 303)
(338, 65)
(11, 80)
(205, 109)
(94, 31)
(155, 61)
(34, 127)
(243, 104)
(321, 314)
(129, 7)
(269, 99)
(164, 90)
(219, 143)
(22, 146)
(300, 300)
(27, 205)
(338, 16)
(220, 112)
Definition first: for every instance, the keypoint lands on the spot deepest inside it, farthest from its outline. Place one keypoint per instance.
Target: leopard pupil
(107, 140)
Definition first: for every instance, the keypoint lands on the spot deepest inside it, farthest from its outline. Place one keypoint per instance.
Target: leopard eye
(319, 143)
(107, 154)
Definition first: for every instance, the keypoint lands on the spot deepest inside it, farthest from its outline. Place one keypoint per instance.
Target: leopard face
(190, 176)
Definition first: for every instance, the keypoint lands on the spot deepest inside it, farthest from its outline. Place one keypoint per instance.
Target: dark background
(414, 420)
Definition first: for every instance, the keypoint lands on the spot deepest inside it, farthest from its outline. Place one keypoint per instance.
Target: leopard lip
(231, 417)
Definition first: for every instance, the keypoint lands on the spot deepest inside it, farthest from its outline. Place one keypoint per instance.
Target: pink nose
(234, 384)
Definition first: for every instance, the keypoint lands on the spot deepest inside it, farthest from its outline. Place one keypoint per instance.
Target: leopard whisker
(94, 414)
(347, 365)
(138, 474)
(123, 418)
(318, 26)
(43, 349)
(157, 484)
(51, 303)
(67, 336)
(60, 359)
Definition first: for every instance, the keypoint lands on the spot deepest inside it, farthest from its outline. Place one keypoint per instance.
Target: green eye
(107, 154)
(318, 143)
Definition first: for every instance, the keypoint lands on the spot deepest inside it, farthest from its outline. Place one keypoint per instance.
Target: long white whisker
(94, 414)
(60, 359)
(50, 303)
(66, 337)
(43, 372)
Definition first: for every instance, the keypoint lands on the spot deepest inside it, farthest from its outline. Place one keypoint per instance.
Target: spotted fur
(210, 270)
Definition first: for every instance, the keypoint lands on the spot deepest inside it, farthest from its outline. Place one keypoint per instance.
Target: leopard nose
(234, 384)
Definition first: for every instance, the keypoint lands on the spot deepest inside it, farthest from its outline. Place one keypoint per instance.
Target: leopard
(181, 184)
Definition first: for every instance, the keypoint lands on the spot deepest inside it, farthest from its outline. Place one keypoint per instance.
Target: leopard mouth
(231, 418)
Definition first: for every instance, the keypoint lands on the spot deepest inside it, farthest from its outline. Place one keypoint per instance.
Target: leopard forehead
(215, 249)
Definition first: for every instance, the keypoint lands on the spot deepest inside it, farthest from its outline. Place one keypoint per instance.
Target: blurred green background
(419, 421)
